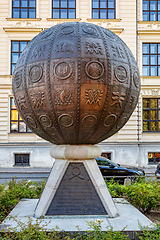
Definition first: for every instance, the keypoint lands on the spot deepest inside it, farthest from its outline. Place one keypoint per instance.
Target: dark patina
(76, 83)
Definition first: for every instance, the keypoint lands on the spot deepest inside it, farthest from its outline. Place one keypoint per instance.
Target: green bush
(16, 191)
(144, 195)
(115, 188)
(35, 231)
(150, 234)
(2, 187)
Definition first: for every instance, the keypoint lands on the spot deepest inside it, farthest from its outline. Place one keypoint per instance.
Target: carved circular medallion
(121, 73)
(136, 79)
(76, 171)
(45, 121)
(65, 120)
(90, 30)
(31, 122)
(63, 70)
(18, 79)
(110, 34)
(67, 30)
(89, 121)
(35, 73)
(109, 120)
(94, 69)
(42, 35)
(46, 34)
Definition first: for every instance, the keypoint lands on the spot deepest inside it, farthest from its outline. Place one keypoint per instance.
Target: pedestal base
(75, 185)
(129, 219)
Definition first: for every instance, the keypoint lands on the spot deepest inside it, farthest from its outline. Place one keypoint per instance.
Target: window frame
(61, 8)
(19, 52)
(151, 120)
(107, 8)
(17, 121)
(150, 54)
(23, 164)
(154, 162)
(107, 155)
(20, 8)
(149, 11)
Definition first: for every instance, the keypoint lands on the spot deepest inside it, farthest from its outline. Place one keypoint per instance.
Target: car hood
(133, 168)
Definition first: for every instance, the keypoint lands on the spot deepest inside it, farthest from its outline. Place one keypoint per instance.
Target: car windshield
(105, 162)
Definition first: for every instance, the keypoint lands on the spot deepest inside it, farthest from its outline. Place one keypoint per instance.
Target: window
(151, 59)
(23, 8)
(16, 49)
(64, 9)
(103, 9)
(17, 124)
(153, 157)
(21, 159)
(151, 115)
(151, 10)
(106, 155)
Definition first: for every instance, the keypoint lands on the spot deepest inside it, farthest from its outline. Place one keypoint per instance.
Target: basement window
(153, 157)
(106, 155)
(22, 160)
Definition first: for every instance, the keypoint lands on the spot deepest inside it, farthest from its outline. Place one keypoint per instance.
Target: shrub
(16, 191)
(37, 231)
(115, 188)
(2, 187)
(144, 195)
(148, 234)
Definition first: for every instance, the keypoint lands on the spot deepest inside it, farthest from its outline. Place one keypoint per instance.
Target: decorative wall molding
(103, 20)
(110, 24)
(11, 29)
(149, 27)
(63, 20)
(23, 25)
(140, 32)
(23, 19)
(154, 92)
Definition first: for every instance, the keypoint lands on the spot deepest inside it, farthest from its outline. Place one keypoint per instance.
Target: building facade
(137, 22)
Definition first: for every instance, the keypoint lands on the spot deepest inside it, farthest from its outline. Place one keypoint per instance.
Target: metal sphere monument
(76, 84)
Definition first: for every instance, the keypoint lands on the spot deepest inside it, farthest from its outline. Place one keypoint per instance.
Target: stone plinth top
(75, 152)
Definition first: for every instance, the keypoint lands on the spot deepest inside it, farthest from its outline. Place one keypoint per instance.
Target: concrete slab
(128, 220)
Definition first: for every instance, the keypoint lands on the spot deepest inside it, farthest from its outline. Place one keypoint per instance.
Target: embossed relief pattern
(64, 97)
(93, 96)
(76, 83)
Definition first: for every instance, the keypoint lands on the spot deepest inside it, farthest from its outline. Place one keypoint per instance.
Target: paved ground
(36, 174)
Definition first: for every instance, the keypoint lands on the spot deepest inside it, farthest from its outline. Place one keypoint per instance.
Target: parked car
(111, 170)
(157, 172)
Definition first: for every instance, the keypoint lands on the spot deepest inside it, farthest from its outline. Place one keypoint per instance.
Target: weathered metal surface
(76, 83)
(76, 194)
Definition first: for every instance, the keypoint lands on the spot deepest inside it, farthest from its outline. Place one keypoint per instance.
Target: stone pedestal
(75, 185)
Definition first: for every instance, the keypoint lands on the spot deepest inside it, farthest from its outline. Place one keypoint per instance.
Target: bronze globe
(76, 83)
